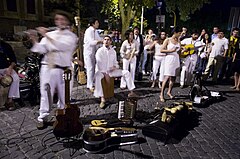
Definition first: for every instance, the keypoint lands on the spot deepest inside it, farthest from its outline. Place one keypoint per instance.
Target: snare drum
(6, 81)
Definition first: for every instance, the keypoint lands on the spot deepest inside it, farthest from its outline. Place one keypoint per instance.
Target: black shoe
(72, 100)
(41, 125)
(10, 106)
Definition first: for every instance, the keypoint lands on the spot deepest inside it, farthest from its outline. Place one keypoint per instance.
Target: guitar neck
(67, 93)
(113, 129)
(67, 78)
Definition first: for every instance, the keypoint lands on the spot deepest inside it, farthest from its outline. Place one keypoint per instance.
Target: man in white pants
(57, 47)
(91, 41)
(217, 54)
(189, 63)
(106, 67)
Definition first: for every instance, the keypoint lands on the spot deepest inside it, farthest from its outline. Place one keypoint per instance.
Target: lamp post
(77, 19)
(174, 18)
(159, 5)
(141, 31)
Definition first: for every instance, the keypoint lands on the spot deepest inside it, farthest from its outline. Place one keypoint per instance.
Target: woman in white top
(129, 50)
(158, 59)
(170, 46)
(149, 39)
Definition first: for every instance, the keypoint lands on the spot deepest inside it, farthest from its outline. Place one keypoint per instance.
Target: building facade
(19, 15)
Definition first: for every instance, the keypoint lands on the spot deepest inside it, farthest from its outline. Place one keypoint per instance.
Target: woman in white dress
(158, 59)
(129, 50)
(170, 46)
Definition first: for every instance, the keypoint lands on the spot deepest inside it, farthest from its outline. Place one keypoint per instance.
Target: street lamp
(174, 18)
(159, 5)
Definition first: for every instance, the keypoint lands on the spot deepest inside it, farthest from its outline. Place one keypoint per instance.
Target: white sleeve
(115, 59)
(123, 49)
(226, 44)
(40, 47)
(136, 47)
(69, 42)
(184, 42)
(99, 60)
(89, 38)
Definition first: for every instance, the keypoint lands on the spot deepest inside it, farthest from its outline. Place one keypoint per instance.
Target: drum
(6, 81)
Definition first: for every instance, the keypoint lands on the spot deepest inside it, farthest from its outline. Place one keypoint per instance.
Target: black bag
(160, 130)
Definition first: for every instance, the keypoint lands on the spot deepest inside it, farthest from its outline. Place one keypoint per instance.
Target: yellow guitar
(111, 123)
(189, 50)
(99, 123)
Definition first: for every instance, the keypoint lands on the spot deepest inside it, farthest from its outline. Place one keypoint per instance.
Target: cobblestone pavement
(215, 134)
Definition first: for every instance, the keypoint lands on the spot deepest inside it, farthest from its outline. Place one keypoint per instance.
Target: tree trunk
(126, 15)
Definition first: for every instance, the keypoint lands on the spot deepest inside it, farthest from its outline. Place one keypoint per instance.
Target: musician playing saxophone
(129, 50)
(57, 47)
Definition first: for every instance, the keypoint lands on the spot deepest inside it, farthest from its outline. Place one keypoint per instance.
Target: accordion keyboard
(121, 109)
(127, 109)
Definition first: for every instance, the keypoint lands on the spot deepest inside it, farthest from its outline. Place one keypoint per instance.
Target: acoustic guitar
(97, 139)
(67, 122)
(111, 123)
(190, 50)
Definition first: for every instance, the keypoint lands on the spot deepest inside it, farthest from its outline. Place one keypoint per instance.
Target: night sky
(215, 13)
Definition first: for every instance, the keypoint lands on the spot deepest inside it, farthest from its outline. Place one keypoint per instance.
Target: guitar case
(168, 120)
(160, 130)
(204, 97)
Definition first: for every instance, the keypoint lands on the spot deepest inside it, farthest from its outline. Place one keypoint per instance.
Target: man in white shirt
(106, 67)
(91, 43)
(215, 32)
(57, 47)
(189, 63)
(216, 56)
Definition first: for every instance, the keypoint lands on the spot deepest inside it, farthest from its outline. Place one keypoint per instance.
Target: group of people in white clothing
(101, 62)
(100, 59)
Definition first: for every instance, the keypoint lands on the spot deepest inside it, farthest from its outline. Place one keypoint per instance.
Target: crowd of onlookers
(177, 56)
(214, 54)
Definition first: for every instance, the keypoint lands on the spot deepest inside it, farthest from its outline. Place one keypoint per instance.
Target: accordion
(127, 109)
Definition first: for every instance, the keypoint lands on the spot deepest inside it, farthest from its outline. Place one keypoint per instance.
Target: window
(12, 5)
(31, 9)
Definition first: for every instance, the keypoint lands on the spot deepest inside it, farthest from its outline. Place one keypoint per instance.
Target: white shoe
(153, 85)
(143, 72)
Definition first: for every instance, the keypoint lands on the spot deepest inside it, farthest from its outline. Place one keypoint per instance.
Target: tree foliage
(126, 13)
(125, 10)
(185, 7)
